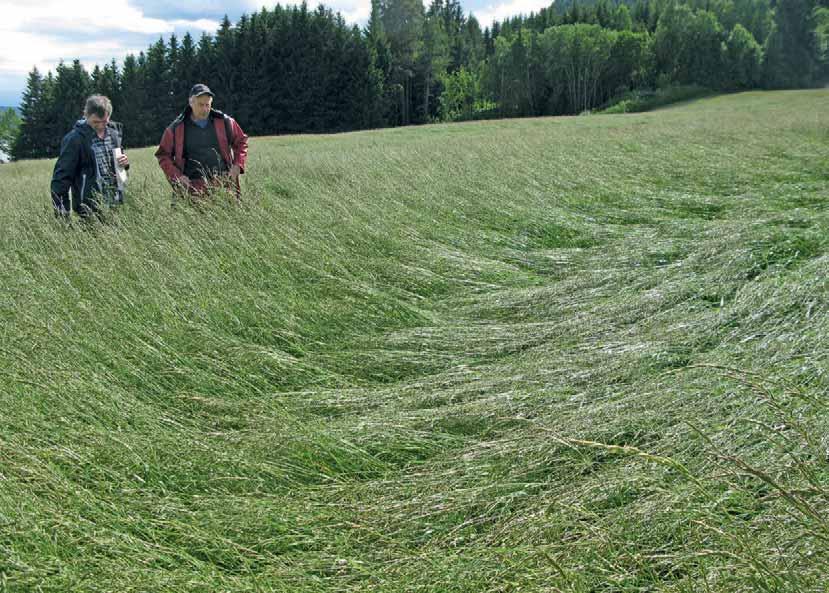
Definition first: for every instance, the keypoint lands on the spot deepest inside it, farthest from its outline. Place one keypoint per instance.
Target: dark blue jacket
(76, 171)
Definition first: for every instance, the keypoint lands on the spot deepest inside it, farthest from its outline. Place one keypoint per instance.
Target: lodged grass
(563, 354)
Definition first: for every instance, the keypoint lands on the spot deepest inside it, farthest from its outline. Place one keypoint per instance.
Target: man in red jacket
(203, 148)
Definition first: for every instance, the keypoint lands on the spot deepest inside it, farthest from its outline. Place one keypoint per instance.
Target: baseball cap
(200, 89)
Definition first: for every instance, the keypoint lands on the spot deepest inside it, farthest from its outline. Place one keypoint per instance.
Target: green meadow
(575, 355)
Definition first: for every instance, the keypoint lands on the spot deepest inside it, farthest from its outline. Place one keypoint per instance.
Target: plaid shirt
(102, 147)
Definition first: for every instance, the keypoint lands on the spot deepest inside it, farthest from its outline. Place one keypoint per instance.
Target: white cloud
(77, 16)
(214, 9)
(41, 33)
(19, 52)
(200, 24)
(355, 12)
(498, 12)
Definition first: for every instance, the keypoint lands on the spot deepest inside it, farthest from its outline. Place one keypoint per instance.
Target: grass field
(564, 354)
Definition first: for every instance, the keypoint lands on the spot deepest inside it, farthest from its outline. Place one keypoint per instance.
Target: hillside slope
(566, 354)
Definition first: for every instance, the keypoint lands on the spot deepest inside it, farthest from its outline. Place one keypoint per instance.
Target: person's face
(201, 106)
(97, 123)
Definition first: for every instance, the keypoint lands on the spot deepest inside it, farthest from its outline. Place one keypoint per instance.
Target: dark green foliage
(50, 108)
(72, 86)
(716, 44)
(106, 81)
(793, 58)
(35, 129)
(131, 113)
(9, 127)
(565, 69)
(743, 59)
(754, 15)
(688, 47)
(459, 99)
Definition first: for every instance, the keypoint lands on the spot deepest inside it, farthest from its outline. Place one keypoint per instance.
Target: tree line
(295, 70)
(9, 124)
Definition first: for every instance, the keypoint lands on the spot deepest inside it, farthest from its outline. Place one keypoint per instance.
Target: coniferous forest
(298, 70)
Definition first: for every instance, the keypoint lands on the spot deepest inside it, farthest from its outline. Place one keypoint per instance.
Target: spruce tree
(184, 70)
(403, 23)
(72, 86)
(792, 56)
(30, 136)
(132, 113)
(159, 108)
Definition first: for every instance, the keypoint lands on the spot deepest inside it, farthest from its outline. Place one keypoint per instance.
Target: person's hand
(123, 161)
(235, 171)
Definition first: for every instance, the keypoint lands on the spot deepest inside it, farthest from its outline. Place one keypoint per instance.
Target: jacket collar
(214, 113)
(84, 129)
(87, 132)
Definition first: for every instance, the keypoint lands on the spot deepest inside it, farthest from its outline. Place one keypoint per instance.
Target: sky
(42, 32)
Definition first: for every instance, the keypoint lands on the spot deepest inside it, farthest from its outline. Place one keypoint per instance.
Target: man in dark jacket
(203, 148)
(90, 164)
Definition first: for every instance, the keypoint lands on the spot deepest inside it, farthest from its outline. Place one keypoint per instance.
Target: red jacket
(170, 153)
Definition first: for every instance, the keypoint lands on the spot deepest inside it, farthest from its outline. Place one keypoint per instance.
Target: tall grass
(567, 354)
